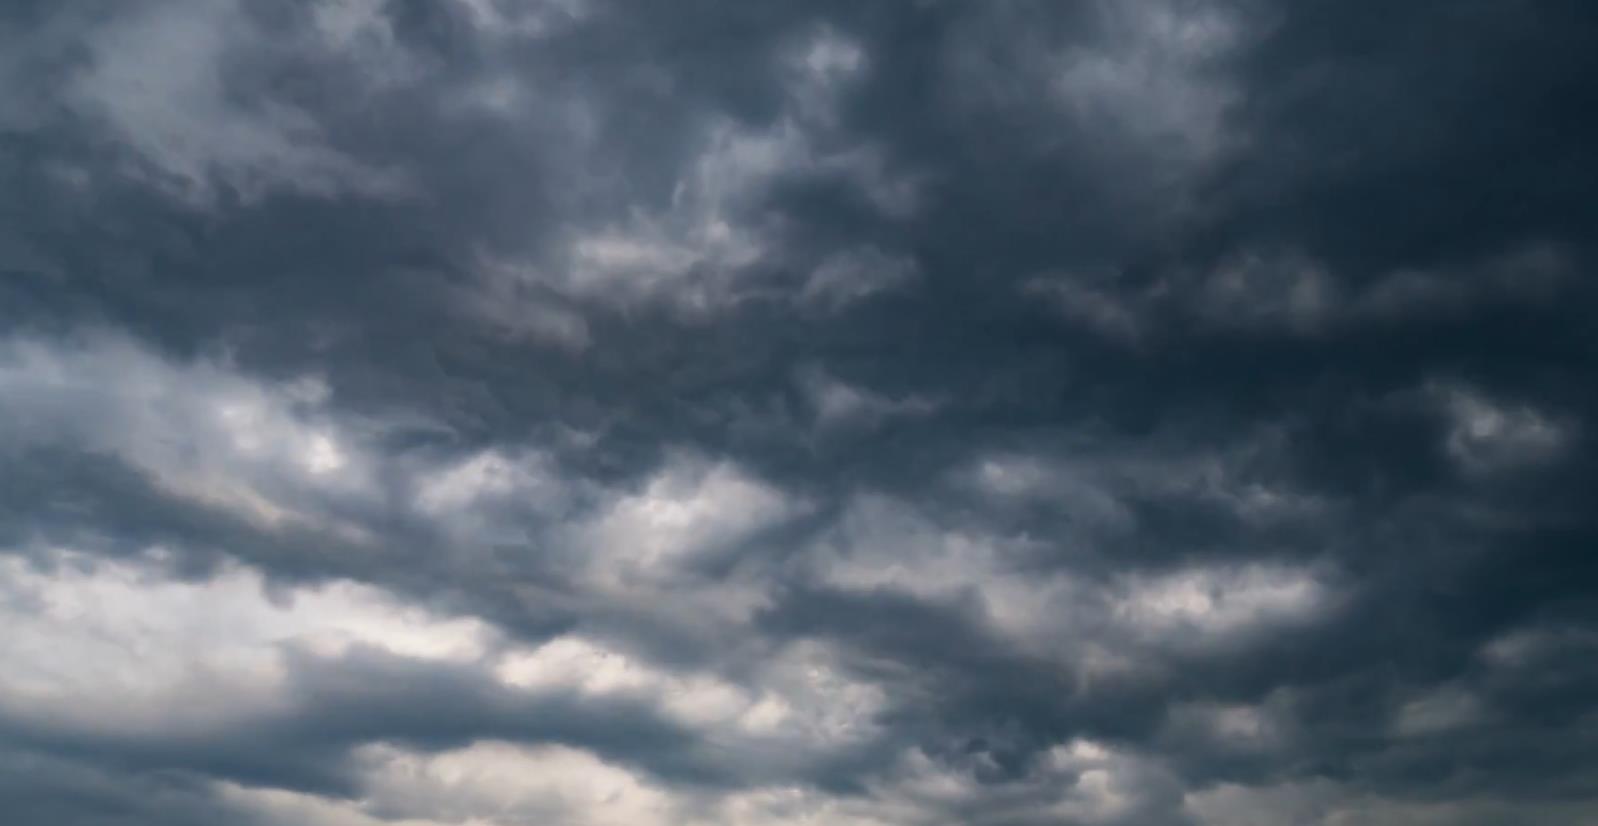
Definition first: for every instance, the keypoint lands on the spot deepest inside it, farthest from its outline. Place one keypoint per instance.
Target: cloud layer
(495, 412)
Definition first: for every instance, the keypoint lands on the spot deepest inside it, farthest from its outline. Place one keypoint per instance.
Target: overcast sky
(702, 412)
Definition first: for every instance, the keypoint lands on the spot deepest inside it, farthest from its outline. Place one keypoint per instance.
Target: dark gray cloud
(582, 411)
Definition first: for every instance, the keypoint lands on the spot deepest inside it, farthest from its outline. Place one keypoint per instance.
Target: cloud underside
(498, 412)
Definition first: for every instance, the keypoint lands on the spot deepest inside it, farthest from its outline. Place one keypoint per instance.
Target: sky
(594, 412)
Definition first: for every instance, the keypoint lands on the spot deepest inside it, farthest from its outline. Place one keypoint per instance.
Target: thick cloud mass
(497, 412)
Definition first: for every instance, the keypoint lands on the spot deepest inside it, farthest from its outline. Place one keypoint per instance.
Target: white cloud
(487, 474)
(269, 452)
(1222, 603)
(1102, 630)
(882, 543)
(590, 668)
(117, 646)
(493, 497)
(485, 784)
(501, 783)
(690, 507)
(798, 805)
(798, 697)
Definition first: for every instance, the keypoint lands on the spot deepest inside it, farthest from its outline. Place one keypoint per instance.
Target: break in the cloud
(601, 412)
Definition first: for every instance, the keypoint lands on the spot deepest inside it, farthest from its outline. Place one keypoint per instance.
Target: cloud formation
(493, 412)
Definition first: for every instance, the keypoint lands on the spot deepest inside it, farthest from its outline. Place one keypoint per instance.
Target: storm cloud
(446, 412)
